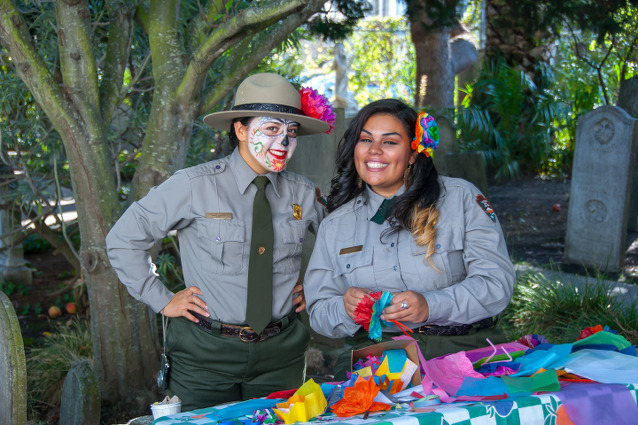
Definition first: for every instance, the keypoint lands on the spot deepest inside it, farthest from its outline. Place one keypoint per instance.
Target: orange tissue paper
(359, 399)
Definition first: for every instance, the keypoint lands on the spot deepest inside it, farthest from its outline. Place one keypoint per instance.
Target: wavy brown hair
(415, 210)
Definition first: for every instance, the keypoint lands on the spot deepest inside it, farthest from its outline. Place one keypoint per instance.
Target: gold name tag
(220, 216)
(351, 249)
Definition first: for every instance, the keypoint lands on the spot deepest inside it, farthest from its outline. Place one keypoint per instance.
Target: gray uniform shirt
(210, 206)
(475, 278)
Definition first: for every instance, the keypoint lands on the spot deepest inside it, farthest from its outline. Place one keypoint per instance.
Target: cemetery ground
(532, 213)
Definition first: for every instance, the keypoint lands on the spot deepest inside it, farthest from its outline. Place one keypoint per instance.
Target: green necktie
(384, 211)
(259, 306)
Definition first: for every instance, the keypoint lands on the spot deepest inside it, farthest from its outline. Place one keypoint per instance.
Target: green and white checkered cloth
(525, 410)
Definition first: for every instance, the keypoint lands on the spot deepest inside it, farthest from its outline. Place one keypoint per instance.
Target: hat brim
(307, 125)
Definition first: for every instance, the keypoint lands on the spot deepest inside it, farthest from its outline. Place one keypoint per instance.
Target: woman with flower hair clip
(241, 221)
(396, 226)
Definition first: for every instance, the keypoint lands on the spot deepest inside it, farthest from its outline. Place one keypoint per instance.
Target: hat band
(268, 107)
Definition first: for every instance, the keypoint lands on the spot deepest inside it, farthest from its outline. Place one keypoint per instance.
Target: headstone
(13, 369)
(601, 183)
(80, 399)
(628, 100)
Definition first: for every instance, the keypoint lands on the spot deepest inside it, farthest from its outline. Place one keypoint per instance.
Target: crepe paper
(608, 367)
(307, 403)
(543, 381)
(490, 386)
(266, 417)
(532, 340)
(359, 399)
(241, 409)
(590, 331)
(448, 372)
(604, 337)
(595, 404)
(282, 394)
(498, 369)
(484, 352)
(547, 357)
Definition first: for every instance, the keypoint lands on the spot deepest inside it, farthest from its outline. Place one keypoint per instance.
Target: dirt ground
(533, 215)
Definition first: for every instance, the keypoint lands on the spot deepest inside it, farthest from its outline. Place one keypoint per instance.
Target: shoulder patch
(485, 205)
(321, 198)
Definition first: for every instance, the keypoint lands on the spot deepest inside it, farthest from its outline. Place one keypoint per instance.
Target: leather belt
(245, 333)
(455, 330)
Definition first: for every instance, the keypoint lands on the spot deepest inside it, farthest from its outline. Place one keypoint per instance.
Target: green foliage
(511, 118)
(335, 30)
(169, 266)
(11, 288)
(559, 311)
(382, 57)
(48, 364)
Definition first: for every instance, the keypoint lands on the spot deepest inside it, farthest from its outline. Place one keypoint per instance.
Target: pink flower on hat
(315, 105)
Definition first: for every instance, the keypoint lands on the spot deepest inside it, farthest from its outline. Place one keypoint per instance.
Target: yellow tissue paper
(306, 403)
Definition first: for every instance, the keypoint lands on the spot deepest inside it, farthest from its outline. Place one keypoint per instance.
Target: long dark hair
(423, 188)
(232, 135)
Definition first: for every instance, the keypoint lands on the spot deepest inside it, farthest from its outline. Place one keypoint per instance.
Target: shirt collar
(374, 201)
(244, 175)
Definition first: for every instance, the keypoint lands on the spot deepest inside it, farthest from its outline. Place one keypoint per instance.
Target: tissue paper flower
(368, 314)
(317, 106)
(359, 399)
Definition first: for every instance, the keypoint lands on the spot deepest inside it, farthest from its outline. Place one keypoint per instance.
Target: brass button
(261, 250)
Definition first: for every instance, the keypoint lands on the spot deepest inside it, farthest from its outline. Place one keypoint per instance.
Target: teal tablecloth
(542, 409)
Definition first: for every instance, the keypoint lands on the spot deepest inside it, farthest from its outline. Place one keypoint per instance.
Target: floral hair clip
(317, 106)
(426, 137)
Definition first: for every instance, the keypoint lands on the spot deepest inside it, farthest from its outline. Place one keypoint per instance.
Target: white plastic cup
(160, 410)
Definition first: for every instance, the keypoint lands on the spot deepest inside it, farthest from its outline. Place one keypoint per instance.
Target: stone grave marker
(600, 189)
(13, 369)
(80, 400)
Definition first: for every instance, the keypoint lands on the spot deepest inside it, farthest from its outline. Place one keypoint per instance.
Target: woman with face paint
(235, 333)
(397, 226)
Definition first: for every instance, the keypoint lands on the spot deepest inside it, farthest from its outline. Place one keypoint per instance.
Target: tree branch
(246, 23)
(77, 61)
(259, 49)
(117, 52)
(15, 38)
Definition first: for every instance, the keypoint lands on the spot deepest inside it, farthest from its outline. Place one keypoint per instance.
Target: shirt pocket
(227, 239)
(287, 256)
(356, 268)
(447, 257)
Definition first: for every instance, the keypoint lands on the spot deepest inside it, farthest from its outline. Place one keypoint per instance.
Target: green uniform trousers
(207, 369)
(431, 346)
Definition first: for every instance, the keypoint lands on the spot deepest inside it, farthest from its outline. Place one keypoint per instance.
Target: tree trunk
(434, 70)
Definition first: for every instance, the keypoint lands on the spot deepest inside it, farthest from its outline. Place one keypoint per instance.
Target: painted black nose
(285, 141)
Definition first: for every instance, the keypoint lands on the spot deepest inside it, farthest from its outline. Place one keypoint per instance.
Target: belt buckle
(246, 330)
(423, 329)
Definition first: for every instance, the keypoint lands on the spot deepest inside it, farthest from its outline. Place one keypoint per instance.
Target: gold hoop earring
(359, 182)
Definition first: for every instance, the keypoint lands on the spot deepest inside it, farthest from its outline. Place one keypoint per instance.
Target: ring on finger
(404, 305)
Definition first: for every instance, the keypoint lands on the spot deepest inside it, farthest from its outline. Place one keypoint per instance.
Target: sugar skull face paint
(271, 142)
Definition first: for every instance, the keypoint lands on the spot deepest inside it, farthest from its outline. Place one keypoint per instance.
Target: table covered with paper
(591, 381)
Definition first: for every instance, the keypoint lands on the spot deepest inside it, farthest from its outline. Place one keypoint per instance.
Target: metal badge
(296, 211)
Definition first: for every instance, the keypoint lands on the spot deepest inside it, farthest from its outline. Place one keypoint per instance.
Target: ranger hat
(267, 95)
